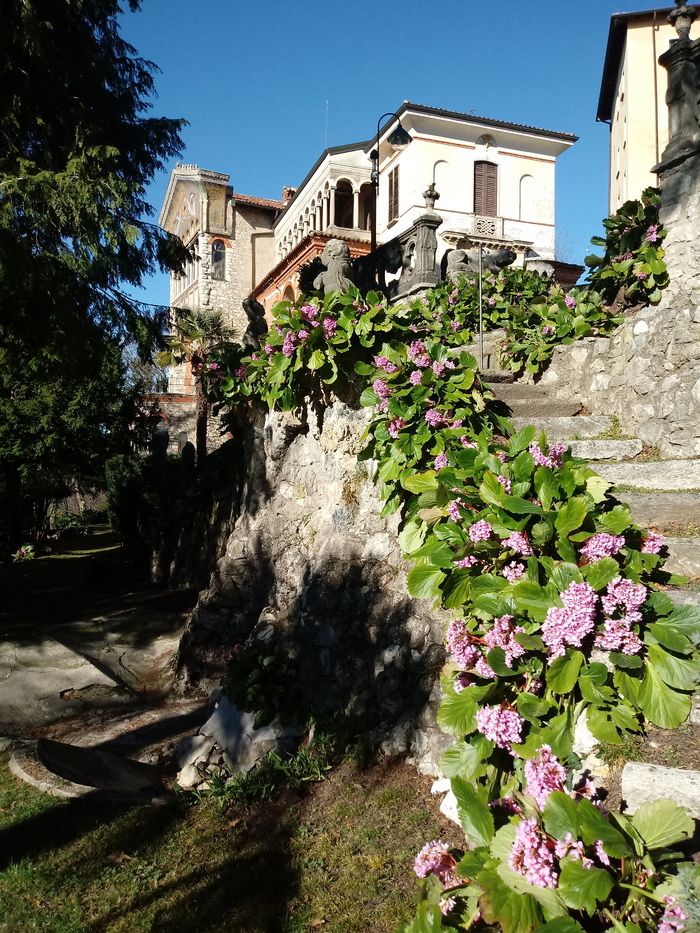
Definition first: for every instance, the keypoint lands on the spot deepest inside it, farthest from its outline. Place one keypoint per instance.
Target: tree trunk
(13, 504)
(201, 424)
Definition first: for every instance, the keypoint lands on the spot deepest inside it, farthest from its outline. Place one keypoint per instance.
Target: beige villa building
(632, 100)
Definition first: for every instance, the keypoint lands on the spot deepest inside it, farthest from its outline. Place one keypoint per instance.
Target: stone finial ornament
(431, 195)
(682, 18)
(337, 277)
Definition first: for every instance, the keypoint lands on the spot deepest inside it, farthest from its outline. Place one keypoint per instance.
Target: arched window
(486, 189)
(218, 260)
(527, 198)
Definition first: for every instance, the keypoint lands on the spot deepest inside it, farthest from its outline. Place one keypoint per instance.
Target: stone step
(677, 475)
(665, 511)
(565, 429)
(606, 449)
(519, 390)
(683, 557)
(534, 410)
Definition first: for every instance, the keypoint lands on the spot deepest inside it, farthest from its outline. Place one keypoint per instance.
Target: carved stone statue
(458, 262)
(337, 277)
(257, 325)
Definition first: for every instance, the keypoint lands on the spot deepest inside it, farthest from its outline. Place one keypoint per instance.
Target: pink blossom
(453, 296)
(480, 531)
(491, 302)
(673, 917)
(434, 418)
(466, 562)
(381, 389)
(518, 542)
(240, 372)
(381, 362)
(574, 849)
(570, 301)
(513, 571)
(617, 635)
(602, 545)
(501, 726)
(453, 511)
(460, 645)
(395, 426)
(569, 625)
(455, 325)
(441, 461)
(303, 334)
(551, 459)
(502, 635)
(652, 234)
(653, 543)
(626, 598)
(290, 342)
(547, 329)
(435, 859)
(415, 377)
(308, 312)
(466, 441)
(269, 349)
(601, 854)
(505, 482)
(447, 904)
(483, 669)
(501, 455)
(543, 775)
(457, 423)
(329, 327)
(531, 855)
(416, 353)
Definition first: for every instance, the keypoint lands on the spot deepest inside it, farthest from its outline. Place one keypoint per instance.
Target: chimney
(287, 194)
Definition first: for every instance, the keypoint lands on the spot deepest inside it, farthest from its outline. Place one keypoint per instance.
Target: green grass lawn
(337, 858)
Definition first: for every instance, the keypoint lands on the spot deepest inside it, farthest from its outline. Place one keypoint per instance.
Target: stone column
(355, 209)
(324, 205)
(319, 221)
(331, 218)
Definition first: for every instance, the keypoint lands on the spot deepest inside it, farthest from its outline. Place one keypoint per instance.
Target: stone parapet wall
(311, 566)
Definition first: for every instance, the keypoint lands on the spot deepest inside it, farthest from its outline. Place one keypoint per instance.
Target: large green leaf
(562, 673)
(616, 520)
(662, 704)
(428, 919)
(662, 823)
(522, 439)
(457, 589)
(571, 516)
(466, 759)
(516, 913)
(535, 599)
(424, 582)
(546, 486)
(582, 888)
(548, 899)
(593, 826)
(602, 726)
(420, 482)
(561, 925)
(681, 673)
(560, 815)
(474, 814)
(457, 712)
(600, 573)
(412, 536)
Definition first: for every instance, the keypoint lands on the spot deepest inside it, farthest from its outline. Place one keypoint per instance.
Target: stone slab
(535, 409)
(642, 783)
(654, 474)
(606, 449)
(664, 510)
(564, 429)
(683, 556)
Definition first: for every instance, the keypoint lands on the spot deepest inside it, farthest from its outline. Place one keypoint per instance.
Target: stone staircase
(662, 494)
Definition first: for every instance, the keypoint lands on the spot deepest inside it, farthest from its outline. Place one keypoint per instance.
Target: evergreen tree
(77, 150)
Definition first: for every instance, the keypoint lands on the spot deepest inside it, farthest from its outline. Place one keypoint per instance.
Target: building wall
(451, 164)
(639, 130)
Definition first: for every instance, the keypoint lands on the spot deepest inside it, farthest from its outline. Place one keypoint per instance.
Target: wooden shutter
(393, 194)
(486, 189)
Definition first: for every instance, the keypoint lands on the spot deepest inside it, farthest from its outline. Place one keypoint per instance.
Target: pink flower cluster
(434, 418)
(551, 459)
(308, 312)
(502, 726)
(653, 543)
(570, 302)
(416, 353)
(466, 562)
(290, 343)
(505, 482)
(502, 635)
(574, 849)
(480, 531)
(625, 598)
(330, 326)
(466, 441)
(673, 917)
(269, 349)
(543, 775)
(381, 389)
(441, 461)
(453, 510)
(461, 646)
(513, 571)
(435, 859)
(602, 545)
(652, 234)
(532, 856)
(568, 626)
(518, 542)
(381, 362)
(415, 377)
(395, 426)
(547, 330)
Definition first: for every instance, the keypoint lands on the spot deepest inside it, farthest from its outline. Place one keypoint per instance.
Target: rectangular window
(393, 194)
(486, 189)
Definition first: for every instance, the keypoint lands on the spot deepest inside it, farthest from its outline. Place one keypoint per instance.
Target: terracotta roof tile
(257, 202)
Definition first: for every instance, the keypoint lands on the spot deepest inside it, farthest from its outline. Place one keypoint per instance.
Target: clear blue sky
(252, 77)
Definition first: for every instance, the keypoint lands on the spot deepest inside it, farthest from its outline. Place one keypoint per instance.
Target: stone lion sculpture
(338, 268)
